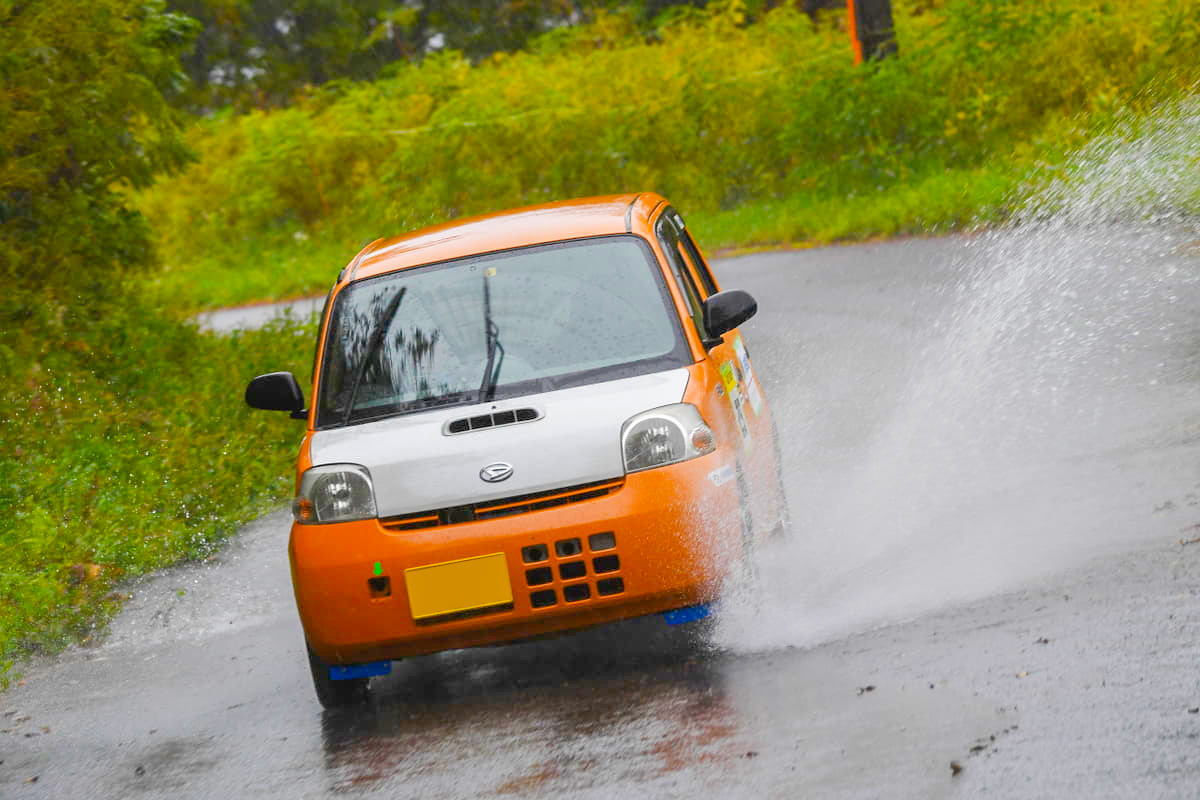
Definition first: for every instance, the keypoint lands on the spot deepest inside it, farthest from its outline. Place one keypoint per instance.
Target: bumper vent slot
(534, 553)
(606, 564)
(576, 592)
(610, 586)
(544, 598)
(538, 576)
(494, 420)
(602, 541)
(567, 548)
(505, 507)
(572, 570)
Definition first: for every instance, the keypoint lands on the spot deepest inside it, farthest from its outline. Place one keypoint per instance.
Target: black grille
(506, 507)
(575, 570)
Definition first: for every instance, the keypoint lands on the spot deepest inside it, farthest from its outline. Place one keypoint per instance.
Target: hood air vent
(493, 420)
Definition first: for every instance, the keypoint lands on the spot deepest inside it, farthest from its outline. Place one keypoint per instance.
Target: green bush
(127, 447)
(717, 114)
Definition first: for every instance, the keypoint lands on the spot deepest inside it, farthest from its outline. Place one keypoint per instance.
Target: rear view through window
(501, 325)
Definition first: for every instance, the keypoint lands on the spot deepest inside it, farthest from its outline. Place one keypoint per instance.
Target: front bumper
(674, 529)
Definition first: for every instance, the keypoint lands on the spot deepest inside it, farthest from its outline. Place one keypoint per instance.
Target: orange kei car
(523, 424)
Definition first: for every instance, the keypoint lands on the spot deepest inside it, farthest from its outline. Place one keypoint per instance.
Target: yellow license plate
(455, 586)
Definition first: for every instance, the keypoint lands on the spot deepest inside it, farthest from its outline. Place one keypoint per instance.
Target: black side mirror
(277, 391)
(724, 311)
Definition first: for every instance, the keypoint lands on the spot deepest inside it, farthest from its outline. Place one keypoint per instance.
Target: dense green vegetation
(126, 446)
(258, 53)
(763, 132)
(261, 53)
(126, 443)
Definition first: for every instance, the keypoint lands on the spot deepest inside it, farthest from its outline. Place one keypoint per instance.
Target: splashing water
(1047, 414)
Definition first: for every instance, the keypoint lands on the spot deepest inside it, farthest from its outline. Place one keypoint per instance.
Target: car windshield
(541, 318)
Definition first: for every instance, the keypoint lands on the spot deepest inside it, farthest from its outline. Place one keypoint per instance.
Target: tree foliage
(85, 116)
(256, 53)
(263, 53)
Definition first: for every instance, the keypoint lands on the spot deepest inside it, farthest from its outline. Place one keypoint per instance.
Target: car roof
(520, 227)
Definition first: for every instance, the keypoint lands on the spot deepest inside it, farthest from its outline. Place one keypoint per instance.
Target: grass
(251, 271)
(939, 203)
(128, 448)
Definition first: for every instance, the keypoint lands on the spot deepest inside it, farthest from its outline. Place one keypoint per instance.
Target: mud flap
(682, 616)
(352, 671)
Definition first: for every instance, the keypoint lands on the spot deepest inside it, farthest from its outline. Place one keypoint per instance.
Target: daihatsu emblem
(494, 473)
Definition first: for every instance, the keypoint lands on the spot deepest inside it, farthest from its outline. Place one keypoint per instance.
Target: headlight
(664, 436)
(334, 493)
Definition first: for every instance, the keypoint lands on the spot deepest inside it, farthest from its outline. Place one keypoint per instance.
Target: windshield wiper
(487, 388)
(377, 335)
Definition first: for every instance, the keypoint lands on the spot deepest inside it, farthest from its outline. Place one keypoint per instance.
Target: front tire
(334, 694)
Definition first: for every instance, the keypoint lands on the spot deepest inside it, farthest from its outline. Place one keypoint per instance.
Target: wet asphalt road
(1039, 630)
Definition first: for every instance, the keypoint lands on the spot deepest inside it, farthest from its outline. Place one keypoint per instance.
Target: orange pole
(852, 24)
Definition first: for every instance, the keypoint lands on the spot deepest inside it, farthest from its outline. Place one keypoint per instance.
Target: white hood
(416, 466)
